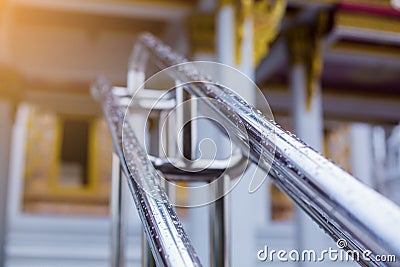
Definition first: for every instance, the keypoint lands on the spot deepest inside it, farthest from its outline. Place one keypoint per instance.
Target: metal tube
(184, 122)
(343, 206)
(168, 241)
(147, 256)
(220, 227)
(117, 216)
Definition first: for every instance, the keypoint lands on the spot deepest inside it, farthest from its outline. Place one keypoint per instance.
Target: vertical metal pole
(185, 124)
(147, 256)
(220, 227)
(117, 216)
(155, 139)
(186, 110)
(139, 118)
(166, 125)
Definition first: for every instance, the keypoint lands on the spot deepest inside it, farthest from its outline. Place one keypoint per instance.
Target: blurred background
(329, 69)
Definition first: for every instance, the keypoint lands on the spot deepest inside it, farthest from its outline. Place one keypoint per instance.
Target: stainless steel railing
(340, 204)
(168, 241)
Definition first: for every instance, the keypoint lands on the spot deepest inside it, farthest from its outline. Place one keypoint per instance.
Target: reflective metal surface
(117, 215)
(174, 169)
(168, 241)
(220, 228)
(341, 205)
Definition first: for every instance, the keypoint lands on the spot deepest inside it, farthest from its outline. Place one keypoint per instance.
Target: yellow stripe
(368, 22)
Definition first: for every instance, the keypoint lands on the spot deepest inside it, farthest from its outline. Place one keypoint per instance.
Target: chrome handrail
(343, 206)
(168, 240)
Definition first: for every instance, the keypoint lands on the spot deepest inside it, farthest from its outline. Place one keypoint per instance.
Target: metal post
(147, 256)
(220, 227)
(117, 215)
(185, 113)
(155, 144)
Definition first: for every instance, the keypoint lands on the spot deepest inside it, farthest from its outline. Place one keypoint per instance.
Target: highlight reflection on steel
(340, 204)
(168, 241)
